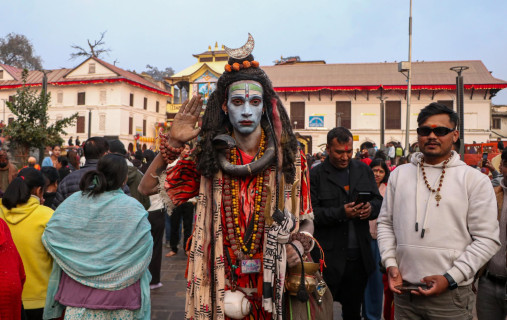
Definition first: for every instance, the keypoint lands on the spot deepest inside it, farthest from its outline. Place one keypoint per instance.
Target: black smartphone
(363, 197)
(414, 287)
(484, 158)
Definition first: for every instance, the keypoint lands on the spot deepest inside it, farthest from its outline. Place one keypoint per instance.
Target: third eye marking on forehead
(245, 86)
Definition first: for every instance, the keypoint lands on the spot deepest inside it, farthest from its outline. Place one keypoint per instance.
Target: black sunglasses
(438, 131)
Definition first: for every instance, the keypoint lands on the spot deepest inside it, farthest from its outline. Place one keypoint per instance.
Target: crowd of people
(274, 234)
(47, 211)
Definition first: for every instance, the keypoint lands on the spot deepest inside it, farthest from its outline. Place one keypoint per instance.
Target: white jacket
(461, 234)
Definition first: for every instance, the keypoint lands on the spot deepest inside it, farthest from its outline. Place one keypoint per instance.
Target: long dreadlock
(216, 122)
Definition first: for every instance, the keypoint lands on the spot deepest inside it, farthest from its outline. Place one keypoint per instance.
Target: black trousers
(34, 314)
(183, 212)
(350, 291)
(157, 221)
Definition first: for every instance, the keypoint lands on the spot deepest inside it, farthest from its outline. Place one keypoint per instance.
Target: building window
(206, 59)
(448, 103)
(343, 114)
(221, 58)
(11, 98)
(80, 127)
(157, 106)
(297, 115)
(497, 123)
(103, 96)
(10, 120)
(131, 103)
(81, 98)
(1, 74)
(145, 103)
(131, 125)
(59, 97)
(144, 128)
(102, 122)
(91, 68)
(393, 115)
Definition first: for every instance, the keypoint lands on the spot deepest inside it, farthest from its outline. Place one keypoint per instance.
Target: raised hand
(183, 127)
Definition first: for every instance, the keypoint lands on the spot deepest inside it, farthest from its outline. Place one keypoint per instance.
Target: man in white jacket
(437, 225)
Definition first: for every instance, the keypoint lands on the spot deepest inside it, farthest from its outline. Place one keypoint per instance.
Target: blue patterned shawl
(103, 242)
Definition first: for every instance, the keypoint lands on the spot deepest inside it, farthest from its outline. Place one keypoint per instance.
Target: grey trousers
(491, 303)
(451, 304)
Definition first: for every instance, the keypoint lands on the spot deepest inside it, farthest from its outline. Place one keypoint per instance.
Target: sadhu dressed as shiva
(253, 194)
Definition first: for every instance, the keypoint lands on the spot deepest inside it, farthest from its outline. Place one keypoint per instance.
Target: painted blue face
(245, 105)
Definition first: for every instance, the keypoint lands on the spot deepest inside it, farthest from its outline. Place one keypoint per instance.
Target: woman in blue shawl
(101, 244)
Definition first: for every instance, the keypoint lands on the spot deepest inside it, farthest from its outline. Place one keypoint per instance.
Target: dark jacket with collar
(331, 222)
(70, 183)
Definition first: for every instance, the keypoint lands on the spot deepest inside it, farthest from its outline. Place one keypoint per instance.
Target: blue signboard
(316, 121)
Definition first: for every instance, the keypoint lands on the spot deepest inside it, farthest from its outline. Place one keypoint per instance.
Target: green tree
(158, 75)
(31, 128)
(17, 51)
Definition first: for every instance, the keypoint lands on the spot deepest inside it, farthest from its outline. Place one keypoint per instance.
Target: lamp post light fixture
(459, 104)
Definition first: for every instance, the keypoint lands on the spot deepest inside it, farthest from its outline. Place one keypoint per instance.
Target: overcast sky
(165, 33)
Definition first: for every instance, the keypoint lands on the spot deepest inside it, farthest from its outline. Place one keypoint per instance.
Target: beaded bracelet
(169, 154)
(305, 240)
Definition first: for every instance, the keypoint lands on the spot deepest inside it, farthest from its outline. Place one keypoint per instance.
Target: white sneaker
(156, 285)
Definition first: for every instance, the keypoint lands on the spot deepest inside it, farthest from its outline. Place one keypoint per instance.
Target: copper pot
(294, 278)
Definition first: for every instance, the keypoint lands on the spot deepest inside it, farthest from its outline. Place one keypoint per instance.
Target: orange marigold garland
(244, 65)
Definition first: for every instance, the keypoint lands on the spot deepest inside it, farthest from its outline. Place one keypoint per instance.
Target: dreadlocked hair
(216, 122)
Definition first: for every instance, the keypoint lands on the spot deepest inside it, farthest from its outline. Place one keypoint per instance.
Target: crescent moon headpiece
(244, 51)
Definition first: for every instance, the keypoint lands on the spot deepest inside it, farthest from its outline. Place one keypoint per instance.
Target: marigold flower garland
(244, 65)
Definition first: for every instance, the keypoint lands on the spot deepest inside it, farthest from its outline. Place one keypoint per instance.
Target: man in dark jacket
(94, 149)
(341, 225)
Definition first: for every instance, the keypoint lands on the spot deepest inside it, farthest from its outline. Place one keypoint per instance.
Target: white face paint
(245, 105)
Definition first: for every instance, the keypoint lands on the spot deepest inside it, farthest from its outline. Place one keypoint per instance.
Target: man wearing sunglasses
(437, 226)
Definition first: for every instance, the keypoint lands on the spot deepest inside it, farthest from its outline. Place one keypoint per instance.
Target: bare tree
(95, 48)
(17, 51)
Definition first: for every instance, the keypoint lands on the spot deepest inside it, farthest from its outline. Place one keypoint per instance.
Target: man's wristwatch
(452, 284)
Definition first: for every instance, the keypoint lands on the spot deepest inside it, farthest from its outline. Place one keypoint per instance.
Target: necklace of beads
(244, 248)
(438, 197)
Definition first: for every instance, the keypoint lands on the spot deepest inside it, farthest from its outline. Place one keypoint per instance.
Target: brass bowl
(294, 278)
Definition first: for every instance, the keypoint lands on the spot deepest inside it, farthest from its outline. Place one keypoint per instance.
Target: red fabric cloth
(388, 299)
(366, 160)
(12, 276)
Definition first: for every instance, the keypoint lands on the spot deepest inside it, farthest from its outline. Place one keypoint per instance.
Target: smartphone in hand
(363, 197)
(412, 287)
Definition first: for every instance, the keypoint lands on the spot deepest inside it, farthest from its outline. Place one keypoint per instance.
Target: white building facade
(320, 97)
(110, 101)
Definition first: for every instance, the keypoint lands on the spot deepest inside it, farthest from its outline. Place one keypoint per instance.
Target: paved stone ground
(168, 302)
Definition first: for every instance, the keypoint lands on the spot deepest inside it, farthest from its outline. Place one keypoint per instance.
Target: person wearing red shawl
(252, 183)
(12, 276)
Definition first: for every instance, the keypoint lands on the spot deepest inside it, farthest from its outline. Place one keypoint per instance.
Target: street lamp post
(5, 102)
(459, 104)
(382, 120)
(89, 122)
(406, 66)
